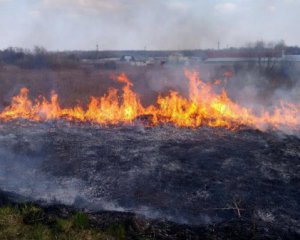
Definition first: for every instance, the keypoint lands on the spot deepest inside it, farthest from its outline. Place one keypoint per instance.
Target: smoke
(259, 88)
(22, 174)
(154, 24)
(256, 89)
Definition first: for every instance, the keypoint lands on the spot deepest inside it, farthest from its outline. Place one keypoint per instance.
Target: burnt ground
(213, 181)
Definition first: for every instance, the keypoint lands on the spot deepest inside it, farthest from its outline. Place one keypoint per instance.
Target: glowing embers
(204, 106)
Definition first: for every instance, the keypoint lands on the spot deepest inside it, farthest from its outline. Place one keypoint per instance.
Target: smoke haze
(134, 24)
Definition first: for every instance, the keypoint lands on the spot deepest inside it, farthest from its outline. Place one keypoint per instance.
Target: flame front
(204, 107)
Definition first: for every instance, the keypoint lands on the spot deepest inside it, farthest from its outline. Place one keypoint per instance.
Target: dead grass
(78, 85)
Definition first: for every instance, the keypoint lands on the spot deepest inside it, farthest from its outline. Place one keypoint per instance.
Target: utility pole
(97, 51)
(219, 45)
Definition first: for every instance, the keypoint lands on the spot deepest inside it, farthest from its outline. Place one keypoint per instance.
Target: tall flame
(204, 106)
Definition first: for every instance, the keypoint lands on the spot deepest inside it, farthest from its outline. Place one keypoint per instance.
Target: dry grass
(77, 85)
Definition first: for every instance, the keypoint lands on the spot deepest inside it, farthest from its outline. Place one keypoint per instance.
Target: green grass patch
(80, 220)
(29, 222)
(118, 231)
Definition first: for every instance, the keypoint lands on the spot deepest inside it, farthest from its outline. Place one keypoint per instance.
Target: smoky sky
(150, 24)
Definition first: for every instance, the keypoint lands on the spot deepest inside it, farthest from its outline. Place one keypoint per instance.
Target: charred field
(150, 180)
(207, 180)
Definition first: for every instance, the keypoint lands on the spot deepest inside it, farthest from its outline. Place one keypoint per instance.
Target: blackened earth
(200, 177)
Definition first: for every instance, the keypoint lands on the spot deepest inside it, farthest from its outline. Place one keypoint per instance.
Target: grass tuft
(29, 222)
(118, 231)
(80, 220)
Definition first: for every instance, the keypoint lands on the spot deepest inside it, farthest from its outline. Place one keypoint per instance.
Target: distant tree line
(38, 58)
(254, 49)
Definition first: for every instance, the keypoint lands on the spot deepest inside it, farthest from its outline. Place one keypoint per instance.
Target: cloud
(4, 1)
(290, 1)
(85, 6)
(35, 14)
(271, 8)
(226, 7)
(179, 5)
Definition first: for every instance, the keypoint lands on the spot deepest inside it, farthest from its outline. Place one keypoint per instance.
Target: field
(133, 181)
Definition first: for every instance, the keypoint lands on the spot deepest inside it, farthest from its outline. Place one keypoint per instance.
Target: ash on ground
(192, 176)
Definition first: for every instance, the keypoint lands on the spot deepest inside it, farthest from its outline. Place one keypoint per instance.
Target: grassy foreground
(30, 222)
(33, 222)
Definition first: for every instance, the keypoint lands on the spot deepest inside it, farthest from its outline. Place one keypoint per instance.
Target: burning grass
(208, 104)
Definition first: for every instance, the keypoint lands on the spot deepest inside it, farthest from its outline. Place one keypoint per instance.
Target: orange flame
(204, 106)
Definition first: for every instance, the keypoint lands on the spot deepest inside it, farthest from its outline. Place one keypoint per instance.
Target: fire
(204, 106)
(109, 110)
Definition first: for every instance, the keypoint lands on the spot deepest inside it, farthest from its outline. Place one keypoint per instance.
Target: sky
(146, 24)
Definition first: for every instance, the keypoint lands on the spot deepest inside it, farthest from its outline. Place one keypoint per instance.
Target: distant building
(230, 60)
(138, 60)
(177, 58)
(99, 60)
(142, 61)
(127, 58)
(252, 53)
(240, 56)
(292, 58)
(291, 61)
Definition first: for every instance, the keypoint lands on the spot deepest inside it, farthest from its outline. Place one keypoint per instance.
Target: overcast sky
(154, 24)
